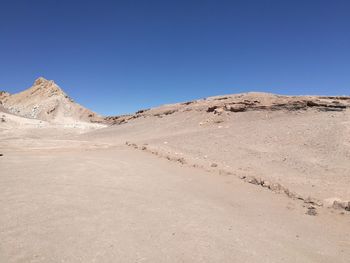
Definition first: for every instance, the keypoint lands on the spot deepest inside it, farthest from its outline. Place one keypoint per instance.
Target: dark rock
(254, 180)
(211, 109)
(313, 201)
(187, 103)
(311, 211)
(141, 111)
(222, 98)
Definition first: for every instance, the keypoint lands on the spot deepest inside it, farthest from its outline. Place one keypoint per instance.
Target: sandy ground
(308, 152)
(170, 184)
(78, 202)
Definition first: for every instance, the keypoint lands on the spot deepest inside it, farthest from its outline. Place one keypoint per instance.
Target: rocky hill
(245, 102)
(45, 100)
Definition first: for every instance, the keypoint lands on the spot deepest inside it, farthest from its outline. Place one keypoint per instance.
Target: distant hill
(45, 100)
(244, 102)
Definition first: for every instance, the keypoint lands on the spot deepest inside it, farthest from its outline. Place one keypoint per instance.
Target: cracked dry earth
(174, 192)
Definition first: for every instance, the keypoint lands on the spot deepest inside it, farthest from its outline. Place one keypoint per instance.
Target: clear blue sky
(119, 56)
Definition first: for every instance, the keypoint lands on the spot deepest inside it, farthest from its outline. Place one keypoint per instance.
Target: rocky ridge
(45, 100)
(242, 103)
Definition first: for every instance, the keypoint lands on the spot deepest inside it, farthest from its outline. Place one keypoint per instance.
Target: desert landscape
(251, 177)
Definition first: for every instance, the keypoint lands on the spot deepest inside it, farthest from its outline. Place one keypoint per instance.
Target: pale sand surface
(165, 185)
(75, 203)
(308, 152)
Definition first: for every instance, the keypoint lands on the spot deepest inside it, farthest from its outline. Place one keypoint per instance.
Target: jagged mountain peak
(42, 80)
(44, 87)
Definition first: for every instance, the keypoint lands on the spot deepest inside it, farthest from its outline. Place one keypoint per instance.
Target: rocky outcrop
(292, 105)
(45, 100)
(241, 103)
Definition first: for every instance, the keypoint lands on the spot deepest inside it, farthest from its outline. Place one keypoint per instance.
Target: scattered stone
(1, 154)
(168, 112)
(164, 113)
(218, 121)
(141, 111)
(181, 160)
(219, 111)
(237, 108)
(54, 108)
(222, 98)
(276, 187)
(214, 165)
(289, 193)
(341, 205)
(311, 211)
(313, 201)
(266, 184)
(211, 109)
(253, 180)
